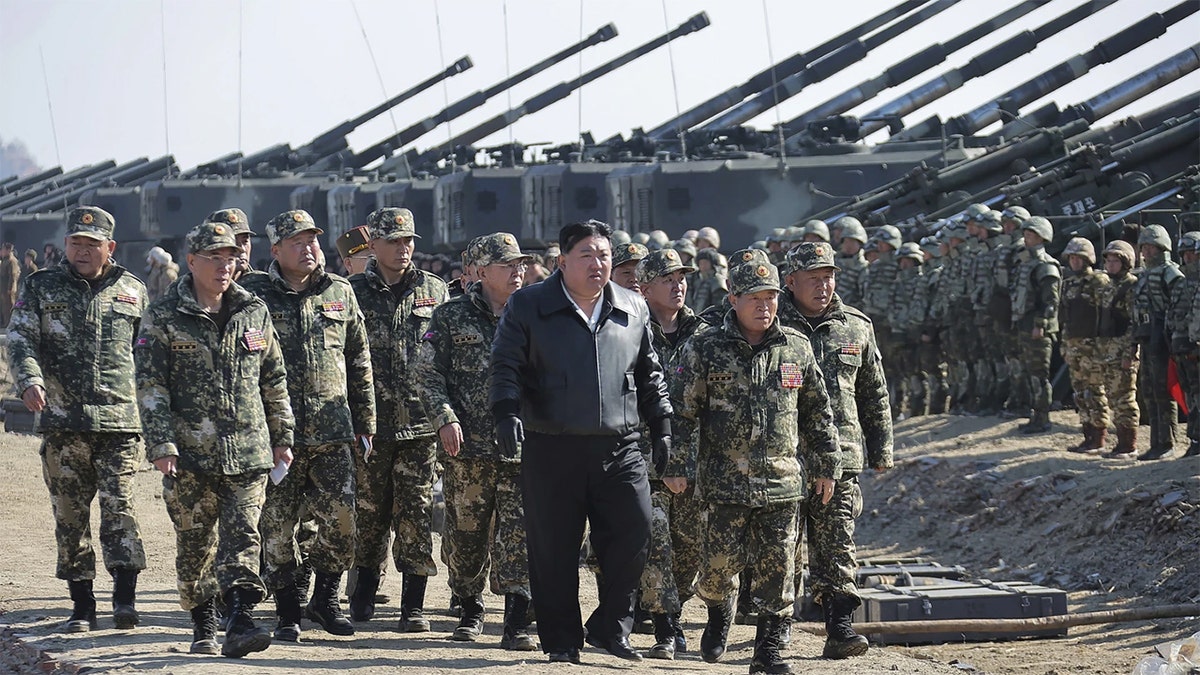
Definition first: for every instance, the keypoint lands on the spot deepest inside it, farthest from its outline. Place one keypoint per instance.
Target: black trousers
(567, 481)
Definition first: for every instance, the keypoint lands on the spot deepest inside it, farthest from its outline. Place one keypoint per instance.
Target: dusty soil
(966, 491)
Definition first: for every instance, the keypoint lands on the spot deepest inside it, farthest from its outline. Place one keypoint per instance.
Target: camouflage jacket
(452, 368)
(77, 343)
(910, 304)
(687, 324)
(395, 323)
(935, 308)
(1116, 308)
(1183, 295)
(851, 270)
(956, 279)
(1194, 321)
(1004, 275)
(877, 289)
(160, 278)
(216, 399)
(843, 341)
(324, 342)
(706, 290)
(1152, 297)
(1035, 291)
(1080, 301)
(741, 412)
(980, 280)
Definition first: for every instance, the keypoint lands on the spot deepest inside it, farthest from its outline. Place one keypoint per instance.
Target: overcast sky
(305, 66)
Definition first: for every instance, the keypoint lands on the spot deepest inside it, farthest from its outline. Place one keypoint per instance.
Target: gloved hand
(660, 452)
(510, 433)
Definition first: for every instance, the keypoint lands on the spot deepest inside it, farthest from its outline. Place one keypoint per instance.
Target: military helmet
(990, 221)
(817, 227)
(710, 234)
(1081, 247)
(658, 240)
(932, 246)
(793, 233)
(975, 211)
(640, 238)
(1018, 214)
(776, 235)
(852, 229)
(1155, 235)
(911, 249)
(889, 234)
(1189, 241)
(760, 244)
(619, 237)
(685, 247)
(709, 254)
(1122, 250)
(1039, 226)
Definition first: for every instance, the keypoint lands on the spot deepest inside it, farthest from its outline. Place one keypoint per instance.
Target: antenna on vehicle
(437, 19)
(675, 84)
(50, 107)
(579, 92)
(512, 159)
(378, 74)
(162, 31)
(239, 103)
(783, 167)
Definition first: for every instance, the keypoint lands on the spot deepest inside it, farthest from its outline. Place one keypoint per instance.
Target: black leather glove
(510, 433)
(660, 453)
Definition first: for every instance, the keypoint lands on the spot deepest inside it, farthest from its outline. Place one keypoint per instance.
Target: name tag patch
(184, 345)
(425, 302)
(720, 378)
(255, 340)
(467, 338)
(791, 375)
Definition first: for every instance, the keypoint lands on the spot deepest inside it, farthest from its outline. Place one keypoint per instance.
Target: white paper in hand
(279, 472)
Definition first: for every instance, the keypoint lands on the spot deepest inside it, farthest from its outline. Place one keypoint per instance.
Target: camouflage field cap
(210, 237)
(497, 248)
(661, 263)
(392, 223)
(355, 240)
(750, 278)
(290, 223)
(810, 255)
(746, 256)
(628, 253)
(235, 218)
(90, 221)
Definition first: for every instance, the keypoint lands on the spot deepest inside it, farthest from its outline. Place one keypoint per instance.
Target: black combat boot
(242, 636)
(324, 607)
(681, 645)
(768, 641)
(412, 604)
(716, 631)
(304, 579)
(125, 614)
(470, 626)
(287, 613)
(841, 642)
(643, 623)
(516, 624)
(83, 610)
(362, 601)
(746, 614)
(1162, 435)
(664, 638)
(204, 628)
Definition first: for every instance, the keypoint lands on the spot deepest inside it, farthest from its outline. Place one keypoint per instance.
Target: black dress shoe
(565, 656)
(596, 641)
(620, 648)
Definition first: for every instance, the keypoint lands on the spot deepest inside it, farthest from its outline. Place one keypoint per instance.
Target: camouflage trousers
(77, 467)
(984, 368)
(673, 518)
(395, 491)
(1160, 407)
(933, 364)
(1087, 367)
(830, 530)
(217, 545)
(485, 520)
(319, 485)
(759, 540)
(957, 345)
(1035, 361)
(1120, 383)
(891, 361)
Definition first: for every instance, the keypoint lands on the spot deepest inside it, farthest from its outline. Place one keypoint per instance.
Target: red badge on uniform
(429, 335)
(850, 348)
(141, 342)
(255, 340)
(792, 375)
(426, 302)
(129, 299)
(335, 306)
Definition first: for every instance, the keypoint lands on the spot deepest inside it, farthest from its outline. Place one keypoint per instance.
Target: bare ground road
(929, 505)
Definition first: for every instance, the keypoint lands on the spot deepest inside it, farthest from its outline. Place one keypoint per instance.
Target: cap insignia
(86, 219)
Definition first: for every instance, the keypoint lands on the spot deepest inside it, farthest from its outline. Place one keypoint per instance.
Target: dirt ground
(966, 491)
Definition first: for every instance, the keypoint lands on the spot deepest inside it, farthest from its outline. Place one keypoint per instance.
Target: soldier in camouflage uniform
(324, 342)
(844, 345)
(988, 232)
(1118, 352)
(354, 248)
(1083, 294)
(747, 393)
(707, 285)
(815, 230)
(212, 388)
(624, 265)
(775, 249)
(1013, 383)
(1152, 298)
(480, 485)
(70, 349)
(962, 335)
(878, 294)
(1183, 347)
(674, 559)
(395, 483)
(929, 354)
(852, 264)
(1035, 316)
(911, 306)
(239, 224)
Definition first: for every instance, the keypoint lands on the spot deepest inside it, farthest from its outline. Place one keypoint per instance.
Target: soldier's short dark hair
(574, 233)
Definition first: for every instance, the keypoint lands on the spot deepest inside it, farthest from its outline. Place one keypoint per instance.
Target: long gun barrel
(1109, 50)
(907, 69)
(459, 108)
(1112, 99)
(1018, 45)
(555, 94)
(763, 81)
(823, 68)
